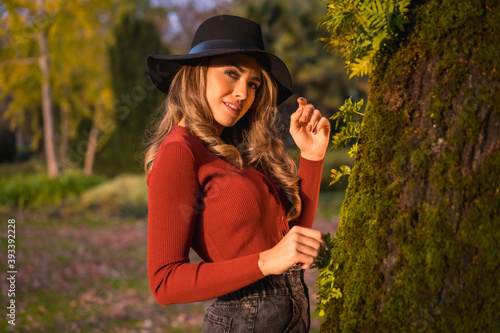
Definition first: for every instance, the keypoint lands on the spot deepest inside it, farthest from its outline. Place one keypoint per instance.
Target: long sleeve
(173, 205)
(310, 181)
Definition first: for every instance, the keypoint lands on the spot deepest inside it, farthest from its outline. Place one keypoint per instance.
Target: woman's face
(232, 82)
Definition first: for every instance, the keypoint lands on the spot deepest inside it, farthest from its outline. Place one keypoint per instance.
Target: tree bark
(48, 117)
(419, 232)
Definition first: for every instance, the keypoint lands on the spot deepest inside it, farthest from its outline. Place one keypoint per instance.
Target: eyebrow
(243, 71)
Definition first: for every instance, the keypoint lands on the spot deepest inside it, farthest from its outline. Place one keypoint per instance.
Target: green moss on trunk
(419, 233)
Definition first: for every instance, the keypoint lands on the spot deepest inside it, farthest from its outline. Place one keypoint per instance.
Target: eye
(253, 85)
(232, 74)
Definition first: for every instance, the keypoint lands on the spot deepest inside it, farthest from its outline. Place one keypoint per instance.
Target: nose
(241, 90)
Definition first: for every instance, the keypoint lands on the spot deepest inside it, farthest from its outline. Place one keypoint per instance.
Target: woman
(220, 182)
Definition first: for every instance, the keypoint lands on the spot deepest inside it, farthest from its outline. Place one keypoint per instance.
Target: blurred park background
(75, 102)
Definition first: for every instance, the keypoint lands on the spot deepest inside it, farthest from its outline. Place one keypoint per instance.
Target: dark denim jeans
(277, 303)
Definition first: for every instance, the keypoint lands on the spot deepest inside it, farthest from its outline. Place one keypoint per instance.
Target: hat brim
(162, 68)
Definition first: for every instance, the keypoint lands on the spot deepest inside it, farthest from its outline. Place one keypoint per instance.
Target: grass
(125, 195)
(32, 166)
(33, 190)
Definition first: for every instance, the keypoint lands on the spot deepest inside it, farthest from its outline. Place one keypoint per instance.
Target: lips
(234, 108)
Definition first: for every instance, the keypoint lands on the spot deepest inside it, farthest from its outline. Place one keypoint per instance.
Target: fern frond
(362, 66)
(338, 175)
(362, 30)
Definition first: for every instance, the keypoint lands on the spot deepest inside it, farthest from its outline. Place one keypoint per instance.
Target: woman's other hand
(300, 245)
(310, 131)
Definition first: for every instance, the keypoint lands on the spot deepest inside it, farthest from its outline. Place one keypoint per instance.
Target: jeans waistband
(271, 285)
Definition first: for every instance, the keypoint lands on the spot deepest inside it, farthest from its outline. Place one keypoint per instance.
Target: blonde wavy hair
(253, 142)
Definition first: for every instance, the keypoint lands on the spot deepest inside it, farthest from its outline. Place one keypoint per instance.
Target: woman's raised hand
(310, 130)
(300, 245)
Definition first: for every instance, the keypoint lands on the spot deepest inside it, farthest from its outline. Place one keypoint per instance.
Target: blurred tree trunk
(48, 116)
(419, 232)
(63, 145)
(91, 148)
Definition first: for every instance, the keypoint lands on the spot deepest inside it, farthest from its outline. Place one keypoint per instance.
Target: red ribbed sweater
(227, 215)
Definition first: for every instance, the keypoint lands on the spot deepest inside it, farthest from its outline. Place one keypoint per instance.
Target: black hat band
(222, 44)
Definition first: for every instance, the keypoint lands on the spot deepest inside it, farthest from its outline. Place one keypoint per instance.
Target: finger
(295, 117)
(305, 244)
(314, 119)
(307, 112)
(323, 125)
(308, 232)
(310, 242)
(302, 249)
(311, 250)
(306, 262)
(302, 104)
(304, 257)
(306, 266)
(302, 101)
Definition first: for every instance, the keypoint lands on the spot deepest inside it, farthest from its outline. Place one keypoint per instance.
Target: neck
(220, 128)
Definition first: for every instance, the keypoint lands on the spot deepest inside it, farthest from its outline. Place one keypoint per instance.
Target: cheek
(211, 86)
(211, 93)
(216, 88)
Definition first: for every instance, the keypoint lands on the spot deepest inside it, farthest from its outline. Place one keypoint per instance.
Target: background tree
(76, 77)
(417, 245)
(25, 30)
(135, 96)
(69, 36)
(82, 84)
(47, 101)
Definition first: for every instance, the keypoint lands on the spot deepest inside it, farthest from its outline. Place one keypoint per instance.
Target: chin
(229, 125)
(226, 123)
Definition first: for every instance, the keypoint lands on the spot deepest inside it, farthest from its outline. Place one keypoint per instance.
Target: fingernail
(304, 118)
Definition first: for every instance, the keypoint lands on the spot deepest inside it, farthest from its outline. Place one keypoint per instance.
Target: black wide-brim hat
(222, 34)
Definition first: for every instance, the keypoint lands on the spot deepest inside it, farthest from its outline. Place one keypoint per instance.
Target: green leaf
(337, 175)
(354, 149)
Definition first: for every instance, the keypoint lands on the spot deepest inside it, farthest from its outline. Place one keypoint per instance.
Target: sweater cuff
(254, 264)
(310, 165)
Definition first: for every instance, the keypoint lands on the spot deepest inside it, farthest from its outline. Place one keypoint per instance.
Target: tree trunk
(91, 148)
(63, 146)
(48, 117)
(419, 233)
